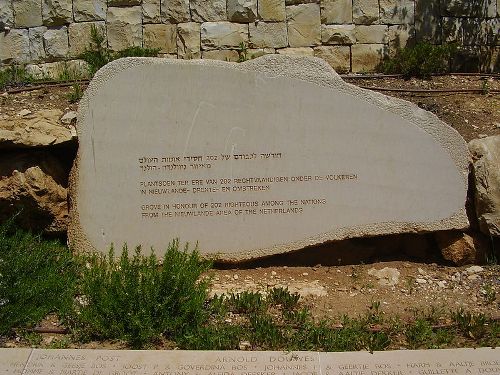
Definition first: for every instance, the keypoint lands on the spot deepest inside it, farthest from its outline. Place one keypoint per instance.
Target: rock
(474, 269)
(242, 10)
(89, 10)
(399, 36)
(24, 112)
(304, 25)
(56, 42)
(336, 11)
(73, 68)
(80, 36)
(175, 11)
(124, 27)
(338, 34)
(396, 12)
(161, 36)
(37, 51)
(36, 184)
(222, 55)
(419, 280)
(371, 34)
(37, 130)
(15, 47)
(208, 11)
(367, 57)
(216, 35)
(27, 13)
(365, 12)
(386, 276)
(151, 11)
(268, 34)
(188, 40)
(299, 51)
(338, 57)
(69, 117)
(272, 10)
(7, 14)
(57, 12)
(486, 161)
(459, 248)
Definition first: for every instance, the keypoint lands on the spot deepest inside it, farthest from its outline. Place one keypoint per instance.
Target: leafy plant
(282, 296)
(14, 75)
(37, 277)
(421, 60)
(243, 52)
(137, 299)
(75, 94)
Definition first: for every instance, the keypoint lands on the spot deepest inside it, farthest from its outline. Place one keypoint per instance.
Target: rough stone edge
(318, 72)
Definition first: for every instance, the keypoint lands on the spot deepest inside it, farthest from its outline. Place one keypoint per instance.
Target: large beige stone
(55, 42)
(124, 27)
(336, 11)
(338, 57)
(222, 55)
(217, 35)
(188, 40)
(207, 11)
(399, 37)
(89, 10)
(57, 12)
(304, 25)
(371, 34)
(6, 13)
(36, 184)
(151, 11)
(486, 161)
(242, 10)
(80, 36)
(338, 34)
(163, 37)
(268, 34)
(37, 51)
(385, 166)
(367, 57)
(78, 69)
(175, 11)
(365, 12)
(397, 12)
(39, 129)
(14, 46)
(296, 51)
(272, 10)
(27, 13)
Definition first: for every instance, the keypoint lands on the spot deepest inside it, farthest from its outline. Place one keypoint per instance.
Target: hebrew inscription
(255, 159)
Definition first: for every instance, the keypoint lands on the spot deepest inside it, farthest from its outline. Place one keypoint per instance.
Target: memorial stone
(253, 159)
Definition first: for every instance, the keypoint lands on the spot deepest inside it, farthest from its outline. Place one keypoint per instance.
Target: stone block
(492, 30)
(304, 25)
(57, 12)
(366, 57)
(242, 10)
(428, 21)
(371, 34)
(399, 37)
(37, 51)
(27, 13)
(220, 35)
(298, 51)
(452, 30)
(89, 10)
(268, 34)
(208, 11)
(78, 69)
(338, 57)
(336, 11)
(14, 46)
(124, 27)
(161, 36)
(222, 55)
(55, 42)
(175, 11)
(365, 12)
(188, 40)
(80, 36)
(151, 11)
(297, 2)
(272, 10)
(123, 3)
(253, 53)
(338, 34)
(470, 8)
(6, 13)
(397, 12)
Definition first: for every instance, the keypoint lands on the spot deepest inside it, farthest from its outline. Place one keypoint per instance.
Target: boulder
(39, 129)
(460, 248)
(486, 161)
(34, 184)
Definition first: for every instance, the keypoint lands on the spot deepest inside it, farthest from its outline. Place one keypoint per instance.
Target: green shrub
(421, 60)
(14, 75)
(37, 277)
(137, 299)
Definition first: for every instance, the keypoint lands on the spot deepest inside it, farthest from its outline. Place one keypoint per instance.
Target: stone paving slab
(148, 362)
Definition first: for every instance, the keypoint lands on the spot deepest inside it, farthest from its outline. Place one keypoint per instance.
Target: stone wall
(351, 35)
